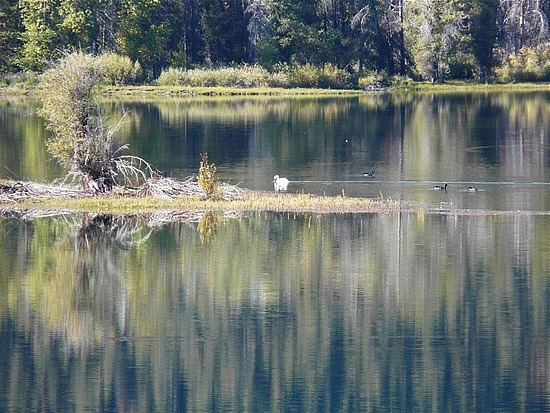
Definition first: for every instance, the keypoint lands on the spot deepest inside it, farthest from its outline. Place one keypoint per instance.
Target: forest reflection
(470, 137)
(276, 312)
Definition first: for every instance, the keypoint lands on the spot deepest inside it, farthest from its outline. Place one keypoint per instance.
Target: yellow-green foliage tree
(80, 139)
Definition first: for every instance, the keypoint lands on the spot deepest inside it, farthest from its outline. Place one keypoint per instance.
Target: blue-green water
(414, 311)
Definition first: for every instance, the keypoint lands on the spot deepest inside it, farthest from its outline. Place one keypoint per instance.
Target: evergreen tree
(258, 13)
(144, 31)
(483, 29)
(373, 52)
(10, 33)
(223, 26)
(186, 43)
(295, 31)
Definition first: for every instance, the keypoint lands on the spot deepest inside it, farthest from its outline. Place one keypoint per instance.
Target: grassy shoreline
(246, 201)
(26, 196)
(153, 91)
(250, 201)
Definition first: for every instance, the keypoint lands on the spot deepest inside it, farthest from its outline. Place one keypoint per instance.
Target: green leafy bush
(462, 66)
(81, 140)
(373, 80)
(398, 80)
(119, 70)
(529, 65)
(304, 76)
(207, 179)
(334, 78)
(243, 76)
(255, 76)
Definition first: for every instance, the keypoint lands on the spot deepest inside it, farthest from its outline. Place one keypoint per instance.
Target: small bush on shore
(305, 76)
(529, 65)
(245, 76)
(208, 181)
(309, 76)
(19, 79)
(373, 80)
(334, 78)
(81, 140)
(119, 70)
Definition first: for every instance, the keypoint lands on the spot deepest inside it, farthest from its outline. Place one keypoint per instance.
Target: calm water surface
(285, 312)
(497, 142)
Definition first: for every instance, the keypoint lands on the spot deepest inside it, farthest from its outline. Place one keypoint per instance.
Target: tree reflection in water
(148, 312)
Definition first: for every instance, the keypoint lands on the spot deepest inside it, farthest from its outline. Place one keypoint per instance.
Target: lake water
(423, 311)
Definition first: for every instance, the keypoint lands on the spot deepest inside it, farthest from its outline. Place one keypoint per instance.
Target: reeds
(284, 76)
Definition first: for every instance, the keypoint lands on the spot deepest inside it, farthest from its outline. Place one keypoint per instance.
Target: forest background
(348, 43)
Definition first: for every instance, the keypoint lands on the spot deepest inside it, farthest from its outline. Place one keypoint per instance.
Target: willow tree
(80, 139)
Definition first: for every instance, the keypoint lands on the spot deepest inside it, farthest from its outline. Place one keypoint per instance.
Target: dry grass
(168, 200)
(166, 194)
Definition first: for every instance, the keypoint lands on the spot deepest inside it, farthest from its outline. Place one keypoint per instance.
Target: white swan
(280, 184)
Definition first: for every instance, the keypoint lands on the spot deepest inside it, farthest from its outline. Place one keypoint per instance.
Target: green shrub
(207, 179)
(172, 76)
(280, 75)
(256, 76)
(243, 76)
(334, 78)
(373, 80)
(119, 70)
(528, 65)
(462, 67)
(68, 92)
(21, 78)
(81, 141)
(304, 76)
(398, 80)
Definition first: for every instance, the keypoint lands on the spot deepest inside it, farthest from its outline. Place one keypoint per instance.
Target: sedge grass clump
(208, 181)
(243, 76)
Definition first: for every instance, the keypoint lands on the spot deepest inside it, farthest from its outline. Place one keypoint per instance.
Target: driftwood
(168, 188)
(162, 188)
(19, 190)
(126, 225)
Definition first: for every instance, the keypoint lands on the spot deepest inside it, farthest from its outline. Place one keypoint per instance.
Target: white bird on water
(280, 184)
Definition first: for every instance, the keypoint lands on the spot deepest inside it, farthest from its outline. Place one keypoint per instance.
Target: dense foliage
(431, 40)
(81, 139)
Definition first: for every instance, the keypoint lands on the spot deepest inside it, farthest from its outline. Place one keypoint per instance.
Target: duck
(472, 189)
(370, 174)
(279, 183)
(440, 188)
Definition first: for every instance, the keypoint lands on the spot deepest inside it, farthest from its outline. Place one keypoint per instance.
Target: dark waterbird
(440, 188)
(370, 174)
